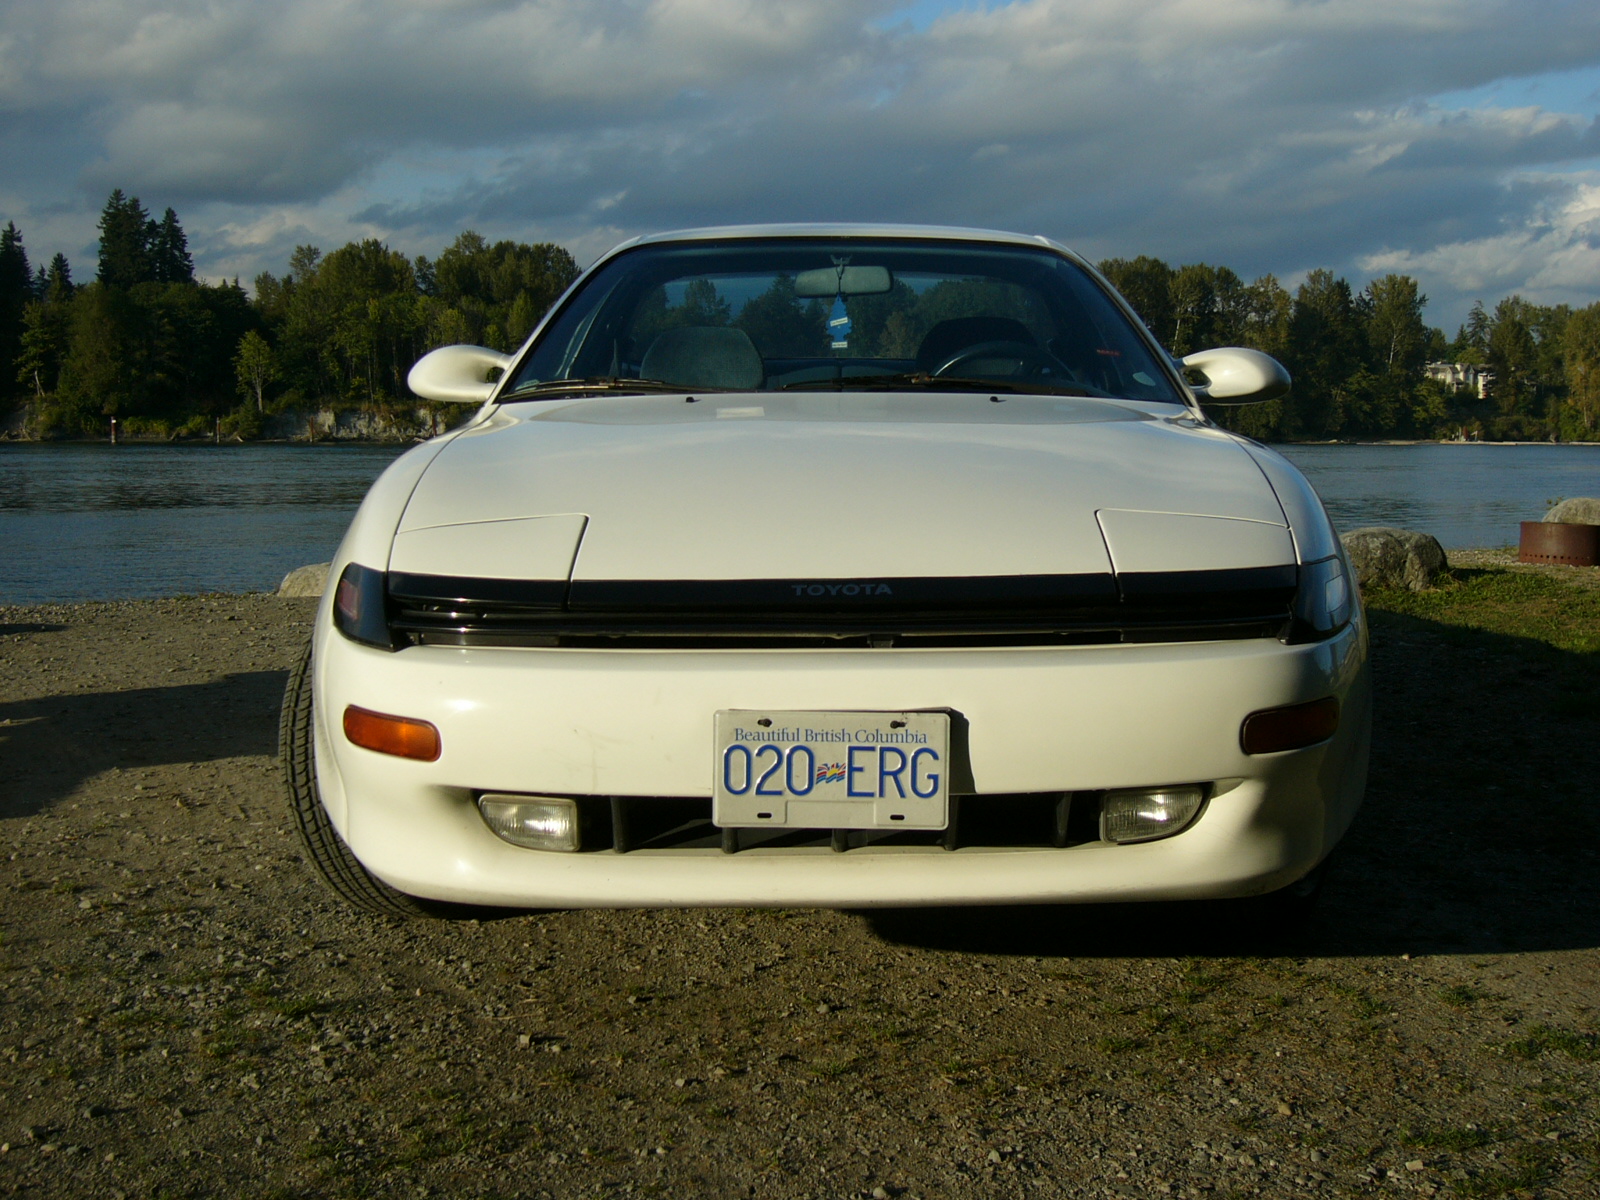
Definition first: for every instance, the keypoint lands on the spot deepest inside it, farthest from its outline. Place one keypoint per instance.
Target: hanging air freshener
(839, 324)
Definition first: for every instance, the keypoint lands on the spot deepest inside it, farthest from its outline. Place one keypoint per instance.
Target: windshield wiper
(600, 383)
(923, 381)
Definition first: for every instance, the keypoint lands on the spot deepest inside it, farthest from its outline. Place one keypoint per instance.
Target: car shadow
(50, 745)
(1479, 833)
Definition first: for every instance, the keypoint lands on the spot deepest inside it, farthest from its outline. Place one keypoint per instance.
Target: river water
(83, 521)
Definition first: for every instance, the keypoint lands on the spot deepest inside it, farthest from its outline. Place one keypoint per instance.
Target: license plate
(831, 770)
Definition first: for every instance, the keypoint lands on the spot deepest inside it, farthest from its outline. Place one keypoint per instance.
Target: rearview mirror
(852, 281)
(1234, 375)
(458, 374)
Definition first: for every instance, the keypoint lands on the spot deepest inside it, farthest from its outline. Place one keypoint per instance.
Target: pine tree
(44, 329)
(1472, 339)
(1326, 354)
(1513, 357)
(169, 251)
(58, 283)
(16, 293)
(125, 235)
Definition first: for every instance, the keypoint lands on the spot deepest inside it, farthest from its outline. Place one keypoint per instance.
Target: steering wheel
(1031, 360)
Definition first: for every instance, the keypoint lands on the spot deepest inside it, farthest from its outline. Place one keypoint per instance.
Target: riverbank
(186, 1011)
(302, 426)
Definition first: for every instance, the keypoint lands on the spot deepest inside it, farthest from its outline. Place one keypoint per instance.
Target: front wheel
(325, 849)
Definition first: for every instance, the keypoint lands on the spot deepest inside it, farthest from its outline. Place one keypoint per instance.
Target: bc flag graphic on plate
(830, 773)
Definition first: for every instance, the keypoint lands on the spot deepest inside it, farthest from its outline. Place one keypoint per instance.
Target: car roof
(953, 233)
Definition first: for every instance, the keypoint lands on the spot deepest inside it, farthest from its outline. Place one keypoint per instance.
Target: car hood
(837, 486)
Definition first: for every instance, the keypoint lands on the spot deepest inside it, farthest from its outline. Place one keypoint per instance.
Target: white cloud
(1267, 134)
(1553, 257)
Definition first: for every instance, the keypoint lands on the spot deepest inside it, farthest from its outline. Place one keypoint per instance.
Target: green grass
(1453, 1140)
(1543, 1039)
(1525, 1169)
(1513, 603)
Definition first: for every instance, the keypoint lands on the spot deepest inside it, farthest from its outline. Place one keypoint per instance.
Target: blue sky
(1455, 140)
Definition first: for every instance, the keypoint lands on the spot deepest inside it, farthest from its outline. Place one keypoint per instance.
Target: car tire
(324, 848)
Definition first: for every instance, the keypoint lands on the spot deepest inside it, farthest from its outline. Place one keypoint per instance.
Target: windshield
(842, 314)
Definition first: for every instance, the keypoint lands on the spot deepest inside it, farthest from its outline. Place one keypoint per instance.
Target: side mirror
(457, 374)
(1235, 375)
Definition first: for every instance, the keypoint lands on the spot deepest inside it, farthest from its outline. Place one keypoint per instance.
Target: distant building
(1462, 377)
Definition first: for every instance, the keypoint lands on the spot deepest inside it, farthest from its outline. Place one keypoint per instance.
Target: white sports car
(836, 566)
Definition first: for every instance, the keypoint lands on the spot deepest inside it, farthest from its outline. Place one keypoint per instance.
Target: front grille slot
(765, 614)
(628, 824)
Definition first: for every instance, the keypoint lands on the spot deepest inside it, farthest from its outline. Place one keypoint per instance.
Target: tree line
(169, 355)
(1359, 360)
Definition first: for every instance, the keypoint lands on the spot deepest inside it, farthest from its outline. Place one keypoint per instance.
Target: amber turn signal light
(1291, 728)
(405, 737)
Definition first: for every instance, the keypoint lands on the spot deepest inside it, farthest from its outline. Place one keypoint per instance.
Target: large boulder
(1580, 510)
(1398, 558)
(305, 581)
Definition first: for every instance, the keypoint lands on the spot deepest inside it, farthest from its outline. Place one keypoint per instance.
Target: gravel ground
(185, 1012)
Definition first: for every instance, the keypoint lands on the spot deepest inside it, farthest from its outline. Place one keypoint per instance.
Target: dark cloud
(1267, 134)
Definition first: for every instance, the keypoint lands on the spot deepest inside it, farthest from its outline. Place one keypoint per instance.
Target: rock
(305, 581)
(1580, 510)
(1384, 557)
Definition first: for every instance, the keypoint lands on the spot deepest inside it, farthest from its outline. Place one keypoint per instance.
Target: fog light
(534, 822)
(1144, 814)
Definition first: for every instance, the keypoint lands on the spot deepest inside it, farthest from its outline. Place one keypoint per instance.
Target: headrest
(704, 356)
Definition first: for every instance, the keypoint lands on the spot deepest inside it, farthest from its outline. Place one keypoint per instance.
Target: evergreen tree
(16, 293)
(171, 261)
(1325, 354)
(104, 369)
(1397, 345)
(125, 234)
(58, 283)
(1513, 357)
(782, 327)
(1472, 339)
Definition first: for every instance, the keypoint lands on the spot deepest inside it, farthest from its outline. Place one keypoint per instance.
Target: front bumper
(639, 723)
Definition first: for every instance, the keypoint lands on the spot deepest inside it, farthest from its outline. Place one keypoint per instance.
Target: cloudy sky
(1456, 140)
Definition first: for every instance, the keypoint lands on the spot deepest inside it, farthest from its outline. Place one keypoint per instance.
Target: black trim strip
(854, 596)
(1137, 585)
(449, 589)
(858, 597)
